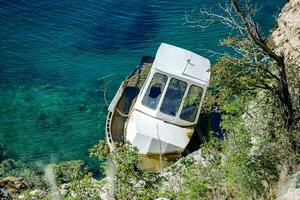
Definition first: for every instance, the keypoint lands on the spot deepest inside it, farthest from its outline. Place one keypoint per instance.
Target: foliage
(245, 172)
(246, 165)
(254, 63)
(86, 188)
(129, 181)
(193, 97)
(100, 150)
(69, 171)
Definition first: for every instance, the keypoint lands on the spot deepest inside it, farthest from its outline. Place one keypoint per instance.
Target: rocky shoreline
(53, 181)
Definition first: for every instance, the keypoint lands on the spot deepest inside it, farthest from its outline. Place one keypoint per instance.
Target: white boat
(157, 108)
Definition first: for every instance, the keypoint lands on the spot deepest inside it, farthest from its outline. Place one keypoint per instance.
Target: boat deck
(124, 100)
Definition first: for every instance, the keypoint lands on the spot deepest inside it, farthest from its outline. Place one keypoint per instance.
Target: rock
(82, 107)
(1, 154)
(64, 188)
(8, 164)
(33, 192)
(37, 194)
(21, 197)
(286, 37)
(47, 86)
(13, 184)
(4, 195)
(43, 116)
(293, 190)
(171, 174)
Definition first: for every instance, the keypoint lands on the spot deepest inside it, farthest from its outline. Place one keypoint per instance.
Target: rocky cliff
(286, 36)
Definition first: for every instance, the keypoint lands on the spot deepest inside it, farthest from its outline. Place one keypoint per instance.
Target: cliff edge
(286, 36)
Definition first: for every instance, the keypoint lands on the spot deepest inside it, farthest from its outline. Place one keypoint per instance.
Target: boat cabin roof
(182, 63)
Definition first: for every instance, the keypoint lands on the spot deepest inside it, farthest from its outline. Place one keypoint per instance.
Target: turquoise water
(56, 57)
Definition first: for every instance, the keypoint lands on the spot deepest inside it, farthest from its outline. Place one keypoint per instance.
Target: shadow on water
(131, 26)
(142, 29)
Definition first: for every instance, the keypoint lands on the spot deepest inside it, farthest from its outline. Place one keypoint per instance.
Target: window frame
(156, 113)
(199, 105)
(180, 100)
(161, 93)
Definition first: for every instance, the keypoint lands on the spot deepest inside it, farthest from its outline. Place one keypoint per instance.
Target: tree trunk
(285, 97)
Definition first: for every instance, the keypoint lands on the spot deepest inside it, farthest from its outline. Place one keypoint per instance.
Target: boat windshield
(154, 91)
(173, 97)
(191, 103)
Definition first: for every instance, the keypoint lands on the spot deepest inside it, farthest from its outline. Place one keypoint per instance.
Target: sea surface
(61, 62)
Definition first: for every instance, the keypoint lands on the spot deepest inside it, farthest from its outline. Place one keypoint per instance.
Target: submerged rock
(7, 164)
(47, 86)
(2, 153)
(82, 107)
(43, 116)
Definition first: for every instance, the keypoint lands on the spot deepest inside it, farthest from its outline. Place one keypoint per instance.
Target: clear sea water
(58, 56)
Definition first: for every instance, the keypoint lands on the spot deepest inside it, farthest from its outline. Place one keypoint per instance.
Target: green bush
(66, 172)
(129, 181)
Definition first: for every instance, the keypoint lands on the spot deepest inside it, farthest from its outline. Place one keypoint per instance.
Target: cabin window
(173, 97)
(154, 91)
(191, 103)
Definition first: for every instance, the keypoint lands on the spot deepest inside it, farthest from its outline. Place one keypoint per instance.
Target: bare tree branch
(255, 36)
(251, 49)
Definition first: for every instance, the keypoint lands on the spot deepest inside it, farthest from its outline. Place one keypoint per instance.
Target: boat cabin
(175, 86)
(158, 114)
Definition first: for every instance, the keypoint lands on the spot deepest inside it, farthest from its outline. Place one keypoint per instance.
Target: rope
(160, 154)
(106, 85)
(122, 114)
